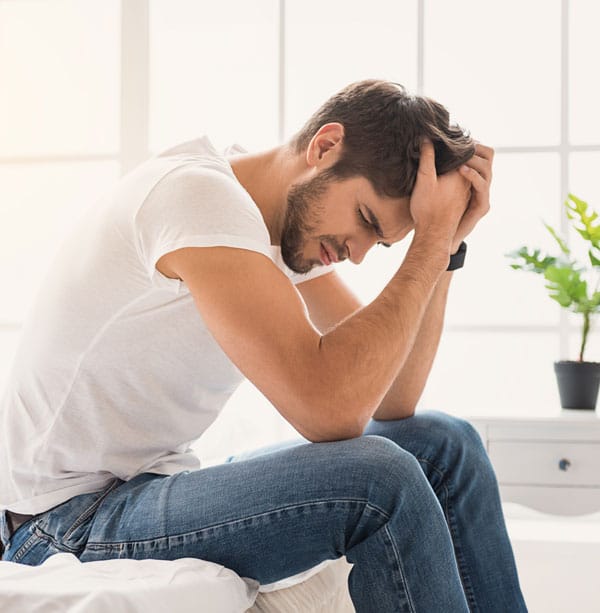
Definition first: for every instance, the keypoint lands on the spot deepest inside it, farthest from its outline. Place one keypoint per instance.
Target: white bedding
(64, 584)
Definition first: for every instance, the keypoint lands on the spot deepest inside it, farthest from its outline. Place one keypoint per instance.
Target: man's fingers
(427, 158)
(477, 171)
(482, 166)
(484, 151)
(477, 181)
(469, 221)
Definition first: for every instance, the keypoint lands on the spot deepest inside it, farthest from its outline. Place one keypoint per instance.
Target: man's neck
(267, 176)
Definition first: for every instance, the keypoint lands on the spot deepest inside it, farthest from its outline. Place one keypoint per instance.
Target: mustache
(330, 241)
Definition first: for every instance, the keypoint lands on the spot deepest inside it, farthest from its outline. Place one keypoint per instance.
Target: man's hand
(478, 171)
(438, 204)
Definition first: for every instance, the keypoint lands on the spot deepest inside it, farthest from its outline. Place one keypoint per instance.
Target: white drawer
(539, 463)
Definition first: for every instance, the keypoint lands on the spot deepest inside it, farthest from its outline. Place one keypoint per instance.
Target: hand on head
(450, 205)
(478, 171)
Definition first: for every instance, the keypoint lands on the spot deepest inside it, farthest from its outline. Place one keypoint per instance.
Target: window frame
(134, 125)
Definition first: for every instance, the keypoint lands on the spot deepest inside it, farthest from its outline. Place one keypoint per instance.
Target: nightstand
(551, 464)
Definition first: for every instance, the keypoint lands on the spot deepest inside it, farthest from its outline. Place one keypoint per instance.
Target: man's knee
(454, 431)
(461, 449)
(383, 467)
(375, 453)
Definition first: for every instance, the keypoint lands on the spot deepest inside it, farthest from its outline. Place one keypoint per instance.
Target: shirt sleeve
(197, 207)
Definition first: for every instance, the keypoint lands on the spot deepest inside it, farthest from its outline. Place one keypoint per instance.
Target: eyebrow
(375, 222)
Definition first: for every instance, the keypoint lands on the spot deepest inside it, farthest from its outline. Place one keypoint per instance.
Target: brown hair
(383, 129)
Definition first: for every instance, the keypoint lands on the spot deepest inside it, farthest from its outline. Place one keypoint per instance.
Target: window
(59, 120)
(92, 88)
(213, 70)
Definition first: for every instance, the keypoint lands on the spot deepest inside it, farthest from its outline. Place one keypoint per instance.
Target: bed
(64, 584)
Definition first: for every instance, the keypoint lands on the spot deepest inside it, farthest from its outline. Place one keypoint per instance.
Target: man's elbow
(332, 436)
(328, 410)
(394, 411)
(333, 428)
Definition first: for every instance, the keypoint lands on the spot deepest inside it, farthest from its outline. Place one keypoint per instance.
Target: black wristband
(457, 260)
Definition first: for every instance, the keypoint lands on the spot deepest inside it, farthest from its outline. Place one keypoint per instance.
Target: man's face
(323, 221)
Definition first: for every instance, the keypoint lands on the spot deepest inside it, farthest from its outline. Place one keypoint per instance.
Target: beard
(302, 217)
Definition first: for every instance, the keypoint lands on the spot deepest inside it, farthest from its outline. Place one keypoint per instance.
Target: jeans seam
(400, 570)
(25, 547)
(90, 510)
(451, 521)
(467, 586)
(42, 535)
(101, 545)
(119, 546)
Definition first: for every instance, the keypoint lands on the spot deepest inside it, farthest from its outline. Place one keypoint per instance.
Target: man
(181, 283)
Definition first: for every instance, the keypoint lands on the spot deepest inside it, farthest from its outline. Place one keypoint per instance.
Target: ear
(325, 146)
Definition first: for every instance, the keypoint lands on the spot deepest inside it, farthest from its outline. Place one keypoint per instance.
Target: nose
(359, 248)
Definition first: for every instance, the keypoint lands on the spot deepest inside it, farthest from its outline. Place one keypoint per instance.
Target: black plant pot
(578, 384)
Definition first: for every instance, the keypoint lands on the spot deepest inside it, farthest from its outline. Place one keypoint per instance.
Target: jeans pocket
(32, 549)
(44, 535)
(76, 535)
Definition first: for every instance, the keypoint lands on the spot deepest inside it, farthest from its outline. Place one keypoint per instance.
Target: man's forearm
(359, 360)
(361, 357)
(401, 399)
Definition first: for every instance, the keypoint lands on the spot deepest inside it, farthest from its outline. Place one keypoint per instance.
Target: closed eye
(368, 224)
(364, 220)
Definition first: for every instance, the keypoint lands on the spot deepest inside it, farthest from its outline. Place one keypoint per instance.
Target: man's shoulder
(196, 146)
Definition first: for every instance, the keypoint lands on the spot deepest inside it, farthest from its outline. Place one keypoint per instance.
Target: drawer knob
(564, 464)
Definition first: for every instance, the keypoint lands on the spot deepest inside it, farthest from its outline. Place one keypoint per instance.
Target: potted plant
(577, 380)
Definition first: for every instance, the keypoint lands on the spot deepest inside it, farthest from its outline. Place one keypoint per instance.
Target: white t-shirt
(116, 373)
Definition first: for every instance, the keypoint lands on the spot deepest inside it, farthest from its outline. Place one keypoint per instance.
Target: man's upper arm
(260, 321)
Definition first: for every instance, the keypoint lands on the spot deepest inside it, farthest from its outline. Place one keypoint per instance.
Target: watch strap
(457, 260)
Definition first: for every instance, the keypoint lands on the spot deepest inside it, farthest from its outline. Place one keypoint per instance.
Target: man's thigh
(267, 517)
(280, 445)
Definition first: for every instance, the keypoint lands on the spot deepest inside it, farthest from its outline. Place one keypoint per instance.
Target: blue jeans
(412, 503)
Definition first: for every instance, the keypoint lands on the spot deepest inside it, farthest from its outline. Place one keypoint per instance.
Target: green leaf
(593, 259)
(561, 243)
(563, 274)
(595, 300)
(566, 286)
(577, 211)
(530, 262)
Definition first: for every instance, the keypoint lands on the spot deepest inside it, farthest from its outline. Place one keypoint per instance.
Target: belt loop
(4, 530)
